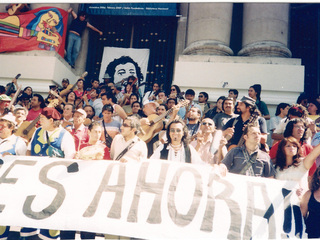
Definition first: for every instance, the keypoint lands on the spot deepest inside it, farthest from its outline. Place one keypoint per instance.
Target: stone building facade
(204, 59)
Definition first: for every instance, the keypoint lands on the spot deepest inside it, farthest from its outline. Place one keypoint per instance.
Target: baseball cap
(50, 112)
(248, 100)
(4, 97)
(80, 110)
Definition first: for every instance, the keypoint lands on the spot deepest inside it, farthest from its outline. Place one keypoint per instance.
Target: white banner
(152, 199)
(120, 63)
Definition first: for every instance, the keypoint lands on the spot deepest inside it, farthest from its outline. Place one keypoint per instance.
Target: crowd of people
(107, 122)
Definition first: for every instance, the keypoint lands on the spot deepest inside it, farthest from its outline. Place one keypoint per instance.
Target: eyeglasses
(200, 96)
(173, 130)
(207, 123)
(126, 125)
(173, 89)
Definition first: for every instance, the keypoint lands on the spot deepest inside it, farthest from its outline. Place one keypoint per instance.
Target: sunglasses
(172, 130)
(173, 89)
(200, 96)
(207, 123)
(126, 125)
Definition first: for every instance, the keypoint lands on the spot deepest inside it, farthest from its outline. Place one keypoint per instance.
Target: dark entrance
(155, 33)
(305, 42)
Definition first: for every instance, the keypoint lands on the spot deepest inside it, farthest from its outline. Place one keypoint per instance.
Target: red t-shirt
(33, 114)
(305, 150)
(79, 94)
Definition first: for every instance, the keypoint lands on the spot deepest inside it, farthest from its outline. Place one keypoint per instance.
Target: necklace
(176, 148)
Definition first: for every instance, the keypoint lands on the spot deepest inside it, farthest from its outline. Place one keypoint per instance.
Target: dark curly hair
(290, 125)
(298, 110)
(111, 68)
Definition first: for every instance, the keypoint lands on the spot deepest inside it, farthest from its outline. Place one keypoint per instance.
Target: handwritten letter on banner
(152, 199)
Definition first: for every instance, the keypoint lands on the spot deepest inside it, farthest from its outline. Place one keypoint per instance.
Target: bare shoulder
(306, 196)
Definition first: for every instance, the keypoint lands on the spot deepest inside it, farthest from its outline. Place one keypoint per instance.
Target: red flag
(39, 29)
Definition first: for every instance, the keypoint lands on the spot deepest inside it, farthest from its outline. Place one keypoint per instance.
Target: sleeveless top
(39, 147)
(313, 219)
(78, 26)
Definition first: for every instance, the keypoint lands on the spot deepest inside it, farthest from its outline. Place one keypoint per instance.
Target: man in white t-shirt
(127, 146)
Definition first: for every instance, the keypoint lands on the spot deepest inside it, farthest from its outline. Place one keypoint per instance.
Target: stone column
(182, 30)
(265, 30)
(209, 29)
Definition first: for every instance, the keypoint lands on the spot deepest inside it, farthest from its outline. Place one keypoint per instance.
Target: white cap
(83, 112)
(10, 118)
(153, 102)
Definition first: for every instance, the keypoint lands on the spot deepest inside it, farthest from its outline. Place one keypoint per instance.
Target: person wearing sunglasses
(177, 147)
(174, 91)
(203, 101)
(207, 142)
(127, 146)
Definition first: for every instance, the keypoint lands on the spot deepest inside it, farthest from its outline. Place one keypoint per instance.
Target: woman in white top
(290, 166)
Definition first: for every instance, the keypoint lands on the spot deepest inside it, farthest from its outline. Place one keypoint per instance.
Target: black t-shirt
(238, 128)
(78, 26)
